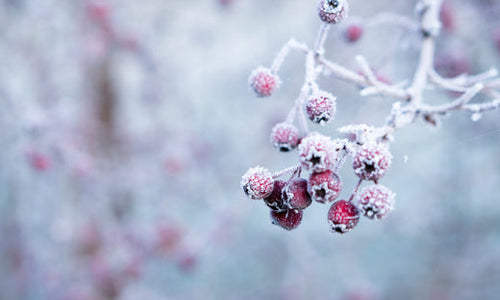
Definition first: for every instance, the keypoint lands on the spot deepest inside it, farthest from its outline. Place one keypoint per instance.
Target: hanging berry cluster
(320, 157)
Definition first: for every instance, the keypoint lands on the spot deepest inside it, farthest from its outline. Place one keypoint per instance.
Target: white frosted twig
(482, 107)
(285, 50)
(287, 171)
(320, 39)
(392, 19)
(457, 104)
(445, 83)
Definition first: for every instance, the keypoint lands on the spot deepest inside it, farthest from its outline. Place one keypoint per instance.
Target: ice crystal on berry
(317, 153)
(257, 183)
(321, 107)
(324, 186)
(375, 201)
(264, 82)
(371, 161)
(275, 201)
(333, 11)
(284, 136)
(295, 194)
(343, 216)
(289, 219)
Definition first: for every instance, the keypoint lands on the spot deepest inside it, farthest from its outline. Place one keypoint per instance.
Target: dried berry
(371, 161)
(275, 201)
(321, 107)
(257, 183)
(264, 82)
(375, 201)
(284, 136)
(295, 194)
(289, 219)
(343, 216)
(324, 186)
(333, 11)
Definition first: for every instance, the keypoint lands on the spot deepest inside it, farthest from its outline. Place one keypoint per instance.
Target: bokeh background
(125, 127)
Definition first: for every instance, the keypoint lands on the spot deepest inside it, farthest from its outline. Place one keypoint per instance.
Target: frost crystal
(375, 201)
(257, 183)
(372, 161)
(317, 153)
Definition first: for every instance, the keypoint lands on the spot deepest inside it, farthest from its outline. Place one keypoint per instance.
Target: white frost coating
(476, 117)
(257, 183)
(375, 201)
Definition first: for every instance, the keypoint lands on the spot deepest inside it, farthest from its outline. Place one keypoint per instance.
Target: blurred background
(125, 127)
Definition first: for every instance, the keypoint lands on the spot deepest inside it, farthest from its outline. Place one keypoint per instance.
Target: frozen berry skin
(324, 186)
(263, 82)
(257, 183)
(275, 201)
(375, 201)
(317, 153)
(321, 107)
(289, 219)
(372, 161)
(333, 11)
(353, 33)
(343, 216)
(284, 136)
(295, 194)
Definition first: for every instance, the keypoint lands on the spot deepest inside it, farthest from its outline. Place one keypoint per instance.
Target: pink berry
(264, 82)
(289, 219)
(295, 194)
(39, 161)
(333, 11)
(446, 16)
(284, 136)
(257, 183)
(317, 153)
(371, 161)
(321, 107)
(343, 216)
(275, 201)
(353, 32)
(375, 201)
(324, 186)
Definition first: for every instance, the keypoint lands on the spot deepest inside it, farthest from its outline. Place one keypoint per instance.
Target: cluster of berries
(321, 156)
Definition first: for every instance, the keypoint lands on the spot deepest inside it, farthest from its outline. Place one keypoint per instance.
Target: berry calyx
(333, 11)
(295, 194)
(317, 153)
(375, 201)
(257, 183)
(324, 186)
(264, 82)
(321, 107)
(343, 216)
(289, 219)
(275, 201)
(372, 161)
(284, 136)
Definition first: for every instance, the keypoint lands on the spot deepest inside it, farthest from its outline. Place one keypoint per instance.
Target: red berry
(40, 162)
(275, 201)
(333, 11)
(321, 107)
(371, 161)
(317, 153)
(264, 82)
(343, 216)
(284, 136)
(353, 32)
(257, 183)
(324, 187)
(375, 201)
(295, 194)
(289, 219)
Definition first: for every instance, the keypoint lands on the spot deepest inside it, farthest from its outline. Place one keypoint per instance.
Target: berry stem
(319, 48)
(355, 191)
(286, 171)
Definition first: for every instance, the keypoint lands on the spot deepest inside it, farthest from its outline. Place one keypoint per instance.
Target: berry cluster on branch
(368, 146)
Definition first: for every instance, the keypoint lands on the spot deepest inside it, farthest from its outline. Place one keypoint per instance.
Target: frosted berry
(343, 216)
(295, 194)
(264, 82)
(320, 107)
(375, 201)
(371, 161)
(284, 136)
(257, 183)
(333, 11)
(275, 201)
(324, 186)
(317, 153)
(289, 219)
(353, 33)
